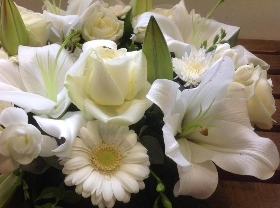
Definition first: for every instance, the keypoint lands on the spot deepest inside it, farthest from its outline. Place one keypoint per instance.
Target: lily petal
(237, 149)
(66, 128)
(47, 146)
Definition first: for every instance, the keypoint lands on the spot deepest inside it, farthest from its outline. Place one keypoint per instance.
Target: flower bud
(12, 29)
(140, 6)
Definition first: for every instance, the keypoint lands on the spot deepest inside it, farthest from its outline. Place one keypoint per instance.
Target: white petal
(136, 157)
(81, 175)
(127, 182)
(138, 172)
(27, 100)
(213, 88)
(88, 184)
(200, 181)
(128, 113)
(251, 58)
(12, 115)
(9, 74)
(7, 164)
(67, 128)
(172, 148)
(117, 189)
(109, 95)
(107, 191)
(166, 25)
(38, 69)
(164, 93)
(77, 7)
(129, 142)
(237, 149)
(47, 146)
(76, 163)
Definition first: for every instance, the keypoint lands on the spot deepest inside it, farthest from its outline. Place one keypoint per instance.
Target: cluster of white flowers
(212, 122)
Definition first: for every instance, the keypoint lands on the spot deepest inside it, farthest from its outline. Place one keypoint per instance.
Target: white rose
(37, 27)
(240, 56)
(261, 104)
(243, 75)
(111, 84)
(20, 142)
(100, 23)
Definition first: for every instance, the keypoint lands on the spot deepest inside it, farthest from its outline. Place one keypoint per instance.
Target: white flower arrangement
(102, 99)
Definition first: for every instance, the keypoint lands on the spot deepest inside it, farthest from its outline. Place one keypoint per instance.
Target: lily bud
(140, 6)
(12, 29)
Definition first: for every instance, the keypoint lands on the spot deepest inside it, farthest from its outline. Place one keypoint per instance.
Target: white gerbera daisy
(106, 163)
(191, 67)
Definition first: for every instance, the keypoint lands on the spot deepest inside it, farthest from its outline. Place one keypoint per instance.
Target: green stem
(213, 9)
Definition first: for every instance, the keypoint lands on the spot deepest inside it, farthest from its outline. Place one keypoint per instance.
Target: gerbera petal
(90, 181)
(127, 182)
(107, 191)
(136, 157)
(117, 189)
(76, 163)
(136, 171)
(129, 142)
(83, 174)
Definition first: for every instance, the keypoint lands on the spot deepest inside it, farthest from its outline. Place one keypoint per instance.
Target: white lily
(182, 28)
(209, 124)
(65, 129)
(37, 84)
(63, 21)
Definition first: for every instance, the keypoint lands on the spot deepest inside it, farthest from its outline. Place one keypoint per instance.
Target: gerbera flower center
(106, 158)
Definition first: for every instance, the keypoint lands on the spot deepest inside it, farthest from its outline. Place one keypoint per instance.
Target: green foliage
(218, 39)
(157, 53)
(155, 152)
(12, 29)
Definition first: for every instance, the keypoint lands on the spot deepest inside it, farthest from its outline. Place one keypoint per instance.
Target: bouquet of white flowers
(111, 104)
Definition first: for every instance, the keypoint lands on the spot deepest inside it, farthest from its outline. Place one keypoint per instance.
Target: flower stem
(214, 8)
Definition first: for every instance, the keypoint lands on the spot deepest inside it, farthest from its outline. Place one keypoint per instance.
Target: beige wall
(258, 19)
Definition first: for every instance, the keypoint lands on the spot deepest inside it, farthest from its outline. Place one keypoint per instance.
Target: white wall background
(258, 19)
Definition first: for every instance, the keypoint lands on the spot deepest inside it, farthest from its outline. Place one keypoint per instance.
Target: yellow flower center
(106, 158)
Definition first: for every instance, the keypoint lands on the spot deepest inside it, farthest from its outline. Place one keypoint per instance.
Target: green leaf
(155, 153)
(157, 53)
(12, 29)
(48, 205)
(233, 40)
(47, 193)
(127, 30)
(60, 191)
